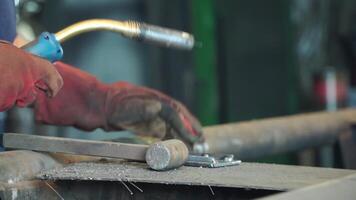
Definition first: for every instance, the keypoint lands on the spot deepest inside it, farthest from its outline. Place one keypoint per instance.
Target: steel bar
(75, 146)
(276, 135)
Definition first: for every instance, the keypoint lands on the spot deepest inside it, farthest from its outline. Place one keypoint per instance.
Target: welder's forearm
(80, 103)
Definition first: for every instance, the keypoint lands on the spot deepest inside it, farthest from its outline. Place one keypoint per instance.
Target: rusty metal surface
(247, 175)
(276, 135)
(341, 189)
(75, 146)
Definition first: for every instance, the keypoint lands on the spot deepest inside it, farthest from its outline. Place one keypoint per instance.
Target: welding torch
(48, 45)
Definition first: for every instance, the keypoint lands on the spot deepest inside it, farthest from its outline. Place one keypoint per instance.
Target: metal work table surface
(246, 175)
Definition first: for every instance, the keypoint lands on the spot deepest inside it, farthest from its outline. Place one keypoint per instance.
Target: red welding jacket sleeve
(23, 76)
(87, 103)
(80, 102)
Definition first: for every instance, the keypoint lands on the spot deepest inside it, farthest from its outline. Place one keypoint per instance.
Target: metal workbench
(31, 175)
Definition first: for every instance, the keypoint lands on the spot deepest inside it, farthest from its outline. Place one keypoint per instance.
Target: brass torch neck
(131, 29)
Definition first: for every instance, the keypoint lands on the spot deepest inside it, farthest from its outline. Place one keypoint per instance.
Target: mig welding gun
(48, 45)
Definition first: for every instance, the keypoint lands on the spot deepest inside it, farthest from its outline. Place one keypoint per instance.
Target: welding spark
(54, 190)
(127, 187)
(138, 188)
(211, 190)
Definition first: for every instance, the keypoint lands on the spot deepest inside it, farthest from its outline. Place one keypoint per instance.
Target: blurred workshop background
(254, 59)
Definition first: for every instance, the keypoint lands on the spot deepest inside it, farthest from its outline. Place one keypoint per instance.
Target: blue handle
(46, 46)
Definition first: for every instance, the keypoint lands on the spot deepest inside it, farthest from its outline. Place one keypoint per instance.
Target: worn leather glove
(23, 76)
(87, 103)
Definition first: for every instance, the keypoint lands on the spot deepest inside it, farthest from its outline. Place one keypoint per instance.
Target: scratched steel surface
(247, 175)
(340, 189)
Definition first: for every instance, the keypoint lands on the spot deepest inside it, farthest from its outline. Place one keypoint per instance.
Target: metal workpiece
(131, 29)
(75, 146)
(257, 138)
(167, 155)
(211, 162)
(161, 156)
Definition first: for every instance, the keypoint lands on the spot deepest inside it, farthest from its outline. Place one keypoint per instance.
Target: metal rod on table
(135, 152)
(276, 135)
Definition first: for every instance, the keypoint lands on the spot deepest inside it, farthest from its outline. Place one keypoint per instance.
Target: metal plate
(341, 189)
(246, 175)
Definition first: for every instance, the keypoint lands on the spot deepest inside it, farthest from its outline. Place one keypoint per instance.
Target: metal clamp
(211, 162)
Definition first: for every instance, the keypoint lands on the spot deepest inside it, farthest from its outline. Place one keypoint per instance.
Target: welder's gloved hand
(149, 112)
(87, 103)
(23, 76)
